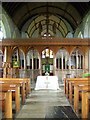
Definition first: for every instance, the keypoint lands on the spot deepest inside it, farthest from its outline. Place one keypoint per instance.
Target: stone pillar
(32, 67)
(18, 55)
(77, 63)
(32, 60)
(28, 61)
(62, 61)
(70, 63)
(80, 61)
(59, 63)
(35, 63)
(24, 61)
(84, 63)
(4, 64)
(40, 65)
(5, 54)
(65, 62)
(54, 65)
(69, 66)
(76, 60)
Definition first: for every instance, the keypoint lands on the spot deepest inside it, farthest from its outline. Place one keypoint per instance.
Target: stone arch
(6, 25)
(87, 26)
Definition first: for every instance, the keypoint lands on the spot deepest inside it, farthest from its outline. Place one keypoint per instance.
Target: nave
(45, 104)
(44, 39)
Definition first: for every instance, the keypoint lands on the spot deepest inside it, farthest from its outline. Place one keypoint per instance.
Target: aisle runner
(61, 112)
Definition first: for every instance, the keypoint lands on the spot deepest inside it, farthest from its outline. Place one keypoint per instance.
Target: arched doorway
(47, 61)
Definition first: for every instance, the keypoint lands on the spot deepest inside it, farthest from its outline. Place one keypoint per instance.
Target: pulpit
(47, 82)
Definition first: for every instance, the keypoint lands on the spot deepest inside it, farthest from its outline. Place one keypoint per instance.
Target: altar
(47, 82)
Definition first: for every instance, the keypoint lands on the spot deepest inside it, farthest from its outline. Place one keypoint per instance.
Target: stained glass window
(47, 53)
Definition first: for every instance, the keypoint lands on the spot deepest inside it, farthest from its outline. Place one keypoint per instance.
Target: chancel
(45, 60)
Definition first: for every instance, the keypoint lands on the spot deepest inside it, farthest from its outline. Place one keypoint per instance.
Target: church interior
(45, 60)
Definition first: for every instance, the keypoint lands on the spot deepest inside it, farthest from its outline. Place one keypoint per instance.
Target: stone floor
(41, 103)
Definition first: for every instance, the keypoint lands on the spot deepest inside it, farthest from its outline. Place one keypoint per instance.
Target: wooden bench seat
(77, 90)
(17, 82)
(66, 84)
(85, 104)
(75, 87)
(6, 103)
(14, 88)
(26, 80)
(71, 87)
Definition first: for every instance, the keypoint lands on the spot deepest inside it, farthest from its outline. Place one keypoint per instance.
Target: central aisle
(41, 103)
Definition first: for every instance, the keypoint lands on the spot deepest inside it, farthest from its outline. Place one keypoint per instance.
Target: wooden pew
(85, 104)
(66, 84)
(77, 90)
(17, 82)
(71, 87)
(27, 84)
(14, 88)
(6, 99)
(26, 80)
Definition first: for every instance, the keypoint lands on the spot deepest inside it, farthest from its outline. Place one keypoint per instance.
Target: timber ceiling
(22, 12)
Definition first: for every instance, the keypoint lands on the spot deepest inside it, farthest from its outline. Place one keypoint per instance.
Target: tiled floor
(39, 102)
